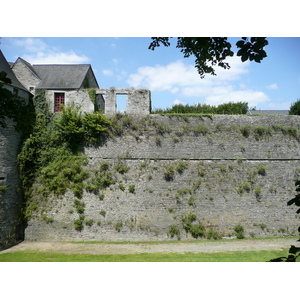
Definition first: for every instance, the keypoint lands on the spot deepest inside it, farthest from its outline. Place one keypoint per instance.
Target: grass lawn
(251, 256)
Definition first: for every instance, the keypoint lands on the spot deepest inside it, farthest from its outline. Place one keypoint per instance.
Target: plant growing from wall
(169, 173)
(118, 226)
(174, 231)
(3, 189)
(51, 156)
(239, 230)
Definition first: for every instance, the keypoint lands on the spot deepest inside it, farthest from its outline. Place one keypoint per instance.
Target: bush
(131, 189)
(197, 230)
(169, 173)
(174, 231)
(78, 224)
(118, 226)
(295, 108)
(239, 230)
(261, 170)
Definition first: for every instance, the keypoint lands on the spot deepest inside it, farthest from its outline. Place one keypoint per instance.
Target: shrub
(261, 170)
(131, 189)
(245, 130)
(181, 167)
(118, 226)
(102, 213)
(78, 224)
(121, 167)
(79, 206)
(89, 222)
(213, 235)
(174, 230)
(239, 230)
(47, 219)
(257, 193)
(169, 173)
(197, 230)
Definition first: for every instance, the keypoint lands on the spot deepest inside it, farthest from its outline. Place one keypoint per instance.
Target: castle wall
(10, 197)
(225, 170)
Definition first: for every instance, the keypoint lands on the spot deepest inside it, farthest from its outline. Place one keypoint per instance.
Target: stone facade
(225, 170)
(79, 98)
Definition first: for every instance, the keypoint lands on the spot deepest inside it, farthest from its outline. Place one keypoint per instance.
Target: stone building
(64, 84)
(70, 84)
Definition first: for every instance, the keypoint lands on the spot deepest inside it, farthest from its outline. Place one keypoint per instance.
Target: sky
(126, 62)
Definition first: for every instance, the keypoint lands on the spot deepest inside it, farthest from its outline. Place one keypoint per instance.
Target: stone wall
(79, 98)
(138, 101)
(10, 197)
(224, 170)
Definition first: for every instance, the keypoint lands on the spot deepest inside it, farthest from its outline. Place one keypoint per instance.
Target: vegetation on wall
(50, 160)
(230, 108)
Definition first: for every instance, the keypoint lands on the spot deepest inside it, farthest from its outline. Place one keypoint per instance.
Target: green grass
(236, 256)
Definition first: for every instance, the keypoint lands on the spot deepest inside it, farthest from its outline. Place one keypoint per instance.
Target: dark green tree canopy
(295, 108)
(213, 51)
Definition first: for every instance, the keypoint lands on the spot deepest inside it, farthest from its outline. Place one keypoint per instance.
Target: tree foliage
(295, 108)
(14, 108)
(213, 51)
(296, 199)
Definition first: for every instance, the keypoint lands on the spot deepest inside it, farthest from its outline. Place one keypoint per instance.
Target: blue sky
(126, 62)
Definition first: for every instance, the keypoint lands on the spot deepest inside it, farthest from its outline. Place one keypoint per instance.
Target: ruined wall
(225, 170)
(10, 197)
(138, 101)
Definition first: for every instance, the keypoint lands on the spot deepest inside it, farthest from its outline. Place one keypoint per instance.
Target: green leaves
(75, 128)
(213, 51)
(296, 199)
(252, 49)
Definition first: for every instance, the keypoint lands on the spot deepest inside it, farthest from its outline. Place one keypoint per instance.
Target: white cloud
(51, 57)
(177, 102)
(41, 53)
(30, 44)
(273, 86)
(107, 72)
(183, 79)
(230, 95)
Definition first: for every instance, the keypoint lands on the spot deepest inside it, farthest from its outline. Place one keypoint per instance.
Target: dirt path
(182, 247)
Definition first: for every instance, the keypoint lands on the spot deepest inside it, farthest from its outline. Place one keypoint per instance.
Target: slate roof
(4, 66)
(61, 76)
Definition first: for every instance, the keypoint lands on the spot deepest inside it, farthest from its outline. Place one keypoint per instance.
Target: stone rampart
(10, 197)
(222, 171)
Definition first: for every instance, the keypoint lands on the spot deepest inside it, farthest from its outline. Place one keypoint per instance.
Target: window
(59, 100)
(15, 92)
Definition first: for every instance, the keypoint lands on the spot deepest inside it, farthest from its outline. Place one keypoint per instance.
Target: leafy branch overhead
(213, 51)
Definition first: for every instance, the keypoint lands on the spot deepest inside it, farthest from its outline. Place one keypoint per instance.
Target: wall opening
(121, 103)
